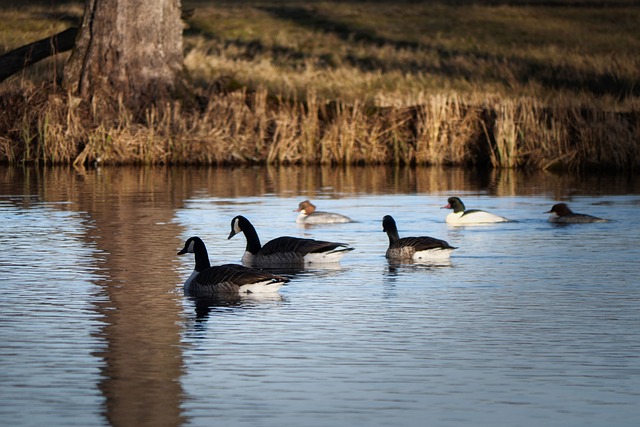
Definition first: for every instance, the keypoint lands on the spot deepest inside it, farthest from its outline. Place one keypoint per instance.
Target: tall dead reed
(249, 127)
(444, 130)
(562, 135)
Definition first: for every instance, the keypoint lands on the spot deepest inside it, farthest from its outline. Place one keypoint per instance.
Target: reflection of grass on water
(507, 84)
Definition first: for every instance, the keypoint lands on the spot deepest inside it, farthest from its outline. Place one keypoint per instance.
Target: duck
(309, 215)
(422, 248)
(233, 279)
(561, 214)
(461, 216)
(286, 250)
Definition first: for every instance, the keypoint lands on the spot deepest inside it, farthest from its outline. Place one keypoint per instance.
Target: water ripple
(47, 317)
(513, 329)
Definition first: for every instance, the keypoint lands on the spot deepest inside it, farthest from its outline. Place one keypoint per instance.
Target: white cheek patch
(190, 248)
(236, 226)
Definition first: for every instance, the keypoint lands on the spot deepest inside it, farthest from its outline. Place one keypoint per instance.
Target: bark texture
(127, 48)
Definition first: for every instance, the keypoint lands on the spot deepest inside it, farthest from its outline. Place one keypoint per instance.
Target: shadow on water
(130, 222)
(132, 214)
(397, 267)
(205, 307)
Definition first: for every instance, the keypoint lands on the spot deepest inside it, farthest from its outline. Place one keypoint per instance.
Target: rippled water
(47, 316)
(530, 324)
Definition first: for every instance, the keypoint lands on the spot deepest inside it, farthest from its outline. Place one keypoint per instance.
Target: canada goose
(226, 278)
(413, 248)
(285, 250)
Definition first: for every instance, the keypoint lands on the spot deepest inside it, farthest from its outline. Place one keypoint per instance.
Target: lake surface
(529, 324)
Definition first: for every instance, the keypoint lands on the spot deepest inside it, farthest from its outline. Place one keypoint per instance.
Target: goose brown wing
(236, 274)
(422, 243)
(298, 245)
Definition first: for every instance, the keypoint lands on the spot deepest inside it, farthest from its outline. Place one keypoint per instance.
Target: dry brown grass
(506, 86)
(445, 128)
(250, 127)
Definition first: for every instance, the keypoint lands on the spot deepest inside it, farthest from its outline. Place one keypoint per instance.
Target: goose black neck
(250, 233)
(389, 225)
(202, 256)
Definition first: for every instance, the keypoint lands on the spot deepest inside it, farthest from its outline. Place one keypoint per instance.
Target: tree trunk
(127, 48)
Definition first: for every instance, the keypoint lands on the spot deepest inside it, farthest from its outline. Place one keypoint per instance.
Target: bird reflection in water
(205, 305)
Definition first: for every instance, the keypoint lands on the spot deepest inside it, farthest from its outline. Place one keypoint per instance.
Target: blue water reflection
(49, 329)
(529, 324)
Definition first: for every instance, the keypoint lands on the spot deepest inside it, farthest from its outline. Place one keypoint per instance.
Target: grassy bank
(505, 84)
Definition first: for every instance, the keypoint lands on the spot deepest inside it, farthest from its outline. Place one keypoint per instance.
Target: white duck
(462, 216)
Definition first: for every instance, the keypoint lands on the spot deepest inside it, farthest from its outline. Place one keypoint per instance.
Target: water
(530, 324)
